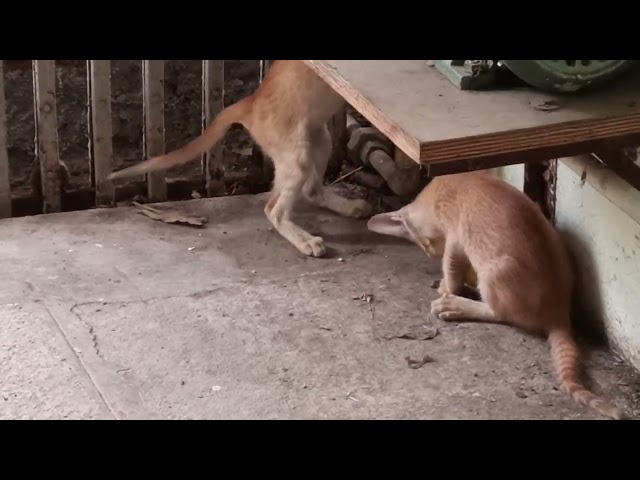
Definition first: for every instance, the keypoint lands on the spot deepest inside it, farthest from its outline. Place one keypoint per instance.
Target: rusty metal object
(371, 148)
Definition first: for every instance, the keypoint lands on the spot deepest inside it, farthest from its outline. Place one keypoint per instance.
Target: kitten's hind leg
(289, 179)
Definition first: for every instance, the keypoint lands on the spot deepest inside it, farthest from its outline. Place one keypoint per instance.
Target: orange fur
(474, 220)
(287, 116)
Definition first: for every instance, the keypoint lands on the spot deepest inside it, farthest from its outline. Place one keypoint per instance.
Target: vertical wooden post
(262, 161)
(212, 105)
(100, 129)
(153, 120)
(44, 85)
(5, 184)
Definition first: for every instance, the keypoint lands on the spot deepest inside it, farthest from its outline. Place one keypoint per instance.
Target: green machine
(555, 76)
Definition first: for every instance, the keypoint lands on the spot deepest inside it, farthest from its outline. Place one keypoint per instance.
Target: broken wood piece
(170, 216)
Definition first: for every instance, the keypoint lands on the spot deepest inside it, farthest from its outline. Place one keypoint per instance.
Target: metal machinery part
(468, 74)
(558, 76)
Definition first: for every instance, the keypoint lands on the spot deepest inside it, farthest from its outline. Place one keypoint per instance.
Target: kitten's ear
(388, 224)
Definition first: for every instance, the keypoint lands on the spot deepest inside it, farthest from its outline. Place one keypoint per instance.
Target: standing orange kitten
(287, 116)
(524, 276)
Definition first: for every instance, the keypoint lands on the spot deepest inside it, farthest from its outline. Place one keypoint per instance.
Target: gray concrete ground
(108, 314)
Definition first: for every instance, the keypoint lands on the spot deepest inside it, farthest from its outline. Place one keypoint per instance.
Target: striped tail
(564, 353)
(235, 113)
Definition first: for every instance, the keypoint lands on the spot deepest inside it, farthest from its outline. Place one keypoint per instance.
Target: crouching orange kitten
(477, 222)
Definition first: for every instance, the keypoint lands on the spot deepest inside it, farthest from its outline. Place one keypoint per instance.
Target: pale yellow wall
(599, 215)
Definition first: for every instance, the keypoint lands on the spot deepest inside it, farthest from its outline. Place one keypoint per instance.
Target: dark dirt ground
(183, 81)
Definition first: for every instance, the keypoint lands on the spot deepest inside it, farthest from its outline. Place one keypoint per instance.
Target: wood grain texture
(5, 183)
(433, 121)
(153, 108)
(100, 128)
(212, 105)
(44, 85)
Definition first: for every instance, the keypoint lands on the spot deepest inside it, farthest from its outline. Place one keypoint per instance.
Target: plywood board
(433, 121)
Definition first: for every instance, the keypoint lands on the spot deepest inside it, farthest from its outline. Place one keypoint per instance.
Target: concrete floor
(108, 314)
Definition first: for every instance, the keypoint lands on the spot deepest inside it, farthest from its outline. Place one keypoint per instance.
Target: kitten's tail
(564, 352)
(235, 113)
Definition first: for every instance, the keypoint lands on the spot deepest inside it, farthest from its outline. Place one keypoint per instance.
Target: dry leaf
(414, 364)
(170, 216)
(415, 332)
(365, 297)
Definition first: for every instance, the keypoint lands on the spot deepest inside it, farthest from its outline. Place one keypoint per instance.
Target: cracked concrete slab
(41, 376)
(230, 321)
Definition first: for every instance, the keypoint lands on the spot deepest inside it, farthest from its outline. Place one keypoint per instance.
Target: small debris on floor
(216, 388)
(328, 329)
(351, 397)
(195, 195)
(415, 364)
(435, 284)
(521, 394)
(341, 259)
(415, 332)
(98, 245)
(365, 297)
(170, 216)
(191, 249)
(361, 251)
(548, 106)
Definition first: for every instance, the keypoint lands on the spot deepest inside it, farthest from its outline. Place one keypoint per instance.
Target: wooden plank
(100, 129)
(433, 121)
(212, 105)
(44, 85)
(5, 184)
(153, 119)
(540, 154)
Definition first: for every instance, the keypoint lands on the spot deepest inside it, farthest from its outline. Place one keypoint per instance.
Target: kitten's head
(412, 223)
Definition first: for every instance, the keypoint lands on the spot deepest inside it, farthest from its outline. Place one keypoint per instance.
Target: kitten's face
(412, 224)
